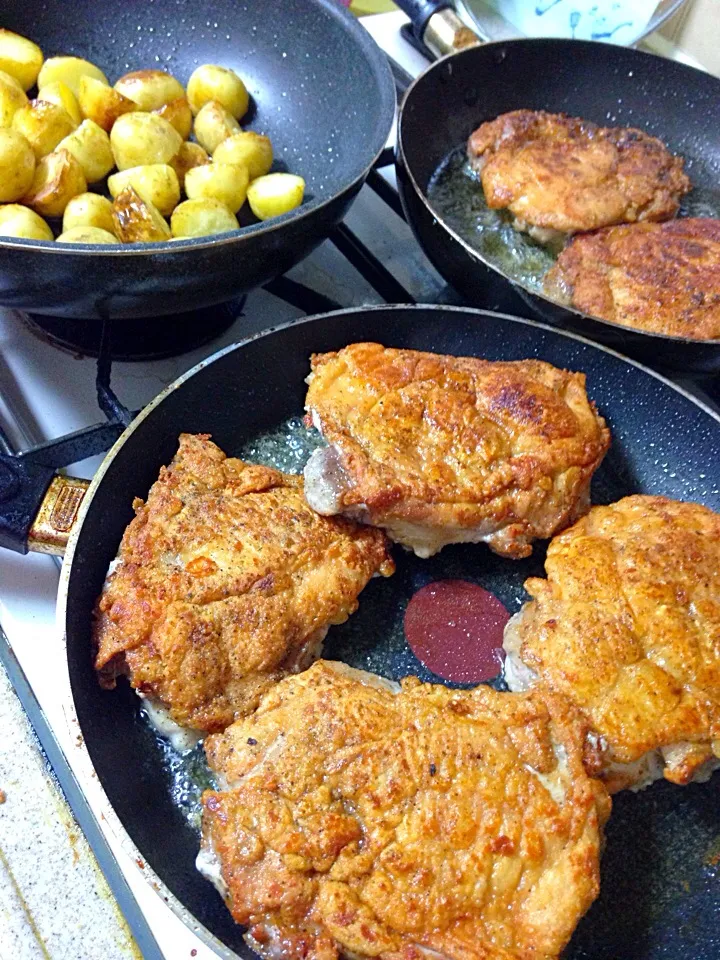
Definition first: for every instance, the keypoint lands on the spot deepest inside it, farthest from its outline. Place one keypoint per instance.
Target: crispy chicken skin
(227, 581)
(373, 823)
(663, 278)
(627, 626)
(439, 449)
(559, 173)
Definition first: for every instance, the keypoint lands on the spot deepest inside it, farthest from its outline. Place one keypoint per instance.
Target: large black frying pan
(661, 892)
(321, 89)
(596, 81)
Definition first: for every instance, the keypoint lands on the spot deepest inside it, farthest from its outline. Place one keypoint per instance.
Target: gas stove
(52, 385)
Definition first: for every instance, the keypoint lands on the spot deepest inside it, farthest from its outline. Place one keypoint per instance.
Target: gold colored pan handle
(446, 33)
(53, 523)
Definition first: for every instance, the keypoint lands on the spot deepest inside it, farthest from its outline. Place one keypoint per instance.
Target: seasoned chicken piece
(226, 582)
(372, 820)
(627, 626)
(559, 174)
(664, 278)
(440, 450)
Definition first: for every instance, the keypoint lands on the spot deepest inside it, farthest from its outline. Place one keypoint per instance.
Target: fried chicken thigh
(664, 278)
(438, 449)
(371, 820)
(559, 174)
(627, 626)
(226, 582)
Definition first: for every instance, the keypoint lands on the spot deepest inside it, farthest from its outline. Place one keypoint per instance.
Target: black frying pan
(596, 81)
(661, 894)
(321, 89)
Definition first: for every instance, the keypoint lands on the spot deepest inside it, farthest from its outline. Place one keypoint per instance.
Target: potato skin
(178, 113)
(154, 183)
(17, 165)
(58, 178)
(20, 57)
(188, 156)
(201, 218)
(61, 95)
(149, 89)
(251, 149)
(211, 82)
(226, 182)
(90, 146)
(275, 194)
(87, 235)
(213, 124)
(137, 221)
(17, 220)
(102, 104)
(138, 139)
(43, 124)
(89, 210)
(70, 70)
(12, 97)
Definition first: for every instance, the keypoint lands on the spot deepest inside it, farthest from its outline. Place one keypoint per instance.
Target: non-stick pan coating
(660, 897)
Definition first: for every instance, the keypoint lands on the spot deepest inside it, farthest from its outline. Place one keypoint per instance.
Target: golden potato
(202, 217)
(90, 146)
(252, 150)
(20, 57)
(19, 221)
(43, 124)
(150, 89)
(60, 94)
(87, 235)
(226, 182)
(213, 124)
(69, 70)
(137, 221)
(178, 113)
(89, 210)
(220, 84)
(188, 156)
(17, 165)
(155, 183)
(58, 178)
(275, 193)
(102, 104)
(142, 138)
(12, 97)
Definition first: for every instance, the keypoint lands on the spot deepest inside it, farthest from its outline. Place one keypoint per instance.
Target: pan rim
(82, 756)
(475, 254)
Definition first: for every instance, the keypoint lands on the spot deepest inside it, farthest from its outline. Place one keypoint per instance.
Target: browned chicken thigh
(226, 582)
(559, 174)
(372, 820)
(438, 449)
(627, 626)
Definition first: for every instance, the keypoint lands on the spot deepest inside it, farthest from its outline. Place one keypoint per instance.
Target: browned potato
(89, 210)
(226, 182)
(252, 150)
(90, 146)
(155, 183)
(213, 124)
(149, 89)
(60, 94)
(87, 235)
(17, 165)
(20, 57)
(220, 84)
(19, 221)
(201, 218)
(12, 97)
(275, 193)
(70, 70)
(102, 104)
(43, 124)
(141, 138)
(178, 113)
(137, 221)
(188, 156)
(58, 178)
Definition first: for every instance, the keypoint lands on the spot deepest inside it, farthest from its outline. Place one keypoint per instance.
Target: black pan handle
(436, 25)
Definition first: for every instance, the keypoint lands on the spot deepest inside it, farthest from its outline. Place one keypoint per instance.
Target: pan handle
(436, 24)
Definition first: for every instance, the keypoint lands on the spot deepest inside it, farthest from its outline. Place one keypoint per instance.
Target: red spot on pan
(455, 629)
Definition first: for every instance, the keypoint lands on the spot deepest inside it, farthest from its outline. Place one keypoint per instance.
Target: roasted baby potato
(142, 138)
(137, 221)
(90, 146)
(149, 89)
(188, 156)
(275, 193)
(89, 210)
(58, 178)
(213, 124)
(102, 104)
(252, 150)
(19, 221)
(155, 183)
(202, 217)
(20, 57)
(12, 97)
(43, 124)
(60, 94)
(87, 235)
(17, 165)
(226, 182)
(69, 70)
(220, 84)
(178, 113)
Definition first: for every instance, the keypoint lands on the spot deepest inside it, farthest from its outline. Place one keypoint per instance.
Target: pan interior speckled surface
(661, 883)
